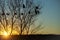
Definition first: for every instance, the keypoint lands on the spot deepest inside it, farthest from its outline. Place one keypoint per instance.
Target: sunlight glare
(5, 33)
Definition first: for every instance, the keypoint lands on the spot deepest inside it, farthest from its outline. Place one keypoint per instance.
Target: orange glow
(8, 31)
(5, 33)
(15, 32)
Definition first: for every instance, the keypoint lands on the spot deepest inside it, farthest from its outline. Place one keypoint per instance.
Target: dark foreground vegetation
(32, 37)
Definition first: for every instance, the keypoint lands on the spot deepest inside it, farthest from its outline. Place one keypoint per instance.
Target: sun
(5, 33)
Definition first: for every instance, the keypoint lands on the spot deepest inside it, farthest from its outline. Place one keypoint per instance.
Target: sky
(50, 16)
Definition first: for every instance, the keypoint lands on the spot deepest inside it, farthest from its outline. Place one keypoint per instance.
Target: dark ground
(32, 37)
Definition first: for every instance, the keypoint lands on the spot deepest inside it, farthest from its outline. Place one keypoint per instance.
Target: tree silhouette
(21, 15)
(3, 18)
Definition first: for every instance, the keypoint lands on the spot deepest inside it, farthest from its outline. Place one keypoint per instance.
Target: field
(31, 37)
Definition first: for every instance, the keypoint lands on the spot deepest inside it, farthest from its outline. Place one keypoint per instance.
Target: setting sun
(5, 33)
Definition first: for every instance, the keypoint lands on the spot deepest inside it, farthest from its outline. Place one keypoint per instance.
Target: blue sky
(50, 16)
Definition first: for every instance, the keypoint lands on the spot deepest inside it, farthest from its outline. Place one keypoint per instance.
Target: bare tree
(26, 11)
(23, 15)
(3, 18)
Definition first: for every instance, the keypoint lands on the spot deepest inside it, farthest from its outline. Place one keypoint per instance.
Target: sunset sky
(50, 16)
